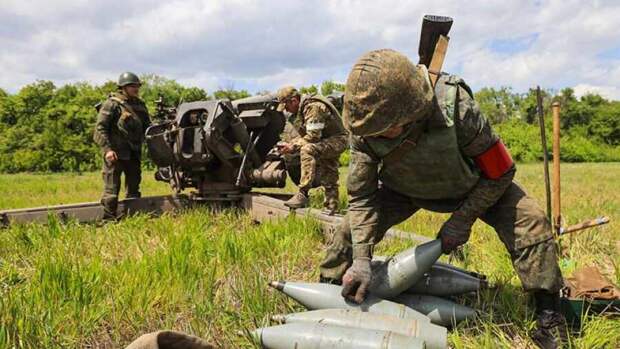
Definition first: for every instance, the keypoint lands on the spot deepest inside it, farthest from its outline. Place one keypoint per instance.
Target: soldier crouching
(122, 120)
(322, 138)
(417, 146)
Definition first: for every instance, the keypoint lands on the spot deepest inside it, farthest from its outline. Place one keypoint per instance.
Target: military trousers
(322, 159)
(518, 220)
(112, 183)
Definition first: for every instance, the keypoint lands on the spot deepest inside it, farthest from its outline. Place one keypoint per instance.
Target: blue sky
(261, 45)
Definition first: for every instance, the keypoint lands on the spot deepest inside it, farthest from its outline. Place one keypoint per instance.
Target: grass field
(83, 286)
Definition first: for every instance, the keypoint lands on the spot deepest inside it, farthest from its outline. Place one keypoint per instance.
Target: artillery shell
(324, 296)
(323, 336)
(434, 336)
(441, 311)
(404, 269)
(445, 281)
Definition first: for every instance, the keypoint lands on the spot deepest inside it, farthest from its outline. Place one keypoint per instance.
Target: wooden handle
(585, 225)
(434, 68)
(557, 208)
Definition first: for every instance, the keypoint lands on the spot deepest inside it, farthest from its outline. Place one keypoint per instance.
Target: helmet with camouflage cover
(284, 94)
(128, 78)
(384, 89)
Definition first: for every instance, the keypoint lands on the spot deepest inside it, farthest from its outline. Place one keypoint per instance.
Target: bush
(45, 128)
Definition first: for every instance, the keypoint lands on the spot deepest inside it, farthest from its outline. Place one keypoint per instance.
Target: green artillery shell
(378, 259)
(324, 296)
(441, 311)
(322, 336)
(464, 271)
(434, 336)
(445, 281)
(403, 270)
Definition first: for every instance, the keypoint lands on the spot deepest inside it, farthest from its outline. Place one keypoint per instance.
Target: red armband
(495, 161)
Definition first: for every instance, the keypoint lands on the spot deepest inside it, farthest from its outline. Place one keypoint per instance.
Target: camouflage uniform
(322, 138)
(120, 127)
(391, 179)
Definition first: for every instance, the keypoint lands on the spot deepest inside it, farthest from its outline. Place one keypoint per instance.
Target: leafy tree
(230, 94)
(172, 93)
(312, 89)
(328, 87)
(498, 105)
(574, 112)
(48, 128)
(605, 125)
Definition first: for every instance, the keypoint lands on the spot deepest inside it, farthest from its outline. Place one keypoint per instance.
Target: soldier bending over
(418, 147)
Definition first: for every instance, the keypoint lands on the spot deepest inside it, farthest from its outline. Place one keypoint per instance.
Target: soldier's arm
(362, 186)
(316, 116)
(103, 126)
(478, 141)
(146, 122)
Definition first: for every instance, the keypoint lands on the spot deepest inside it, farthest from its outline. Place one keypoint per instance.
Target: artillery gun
(218, 147)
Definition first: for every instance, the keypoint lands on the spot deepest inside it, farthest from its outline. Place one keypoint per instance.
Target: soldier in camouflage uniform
(322, 138)
(121, 123)
(417, 147)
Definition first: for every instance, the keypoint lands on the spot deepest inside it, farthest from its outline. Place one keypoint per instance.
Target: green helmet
(128, 78)
(384, 89)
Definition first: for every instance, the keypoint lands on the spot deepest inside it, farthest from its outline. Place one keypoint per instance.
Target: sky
(262, 45)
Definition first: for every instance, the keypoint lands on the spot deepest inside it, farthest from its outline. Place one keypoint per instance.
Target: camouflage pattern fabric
(321, 140)
(317, 159)
(438, 167)
(518, 220)
(111, 175)
(376, 79)
(436, 172)
(120, 127)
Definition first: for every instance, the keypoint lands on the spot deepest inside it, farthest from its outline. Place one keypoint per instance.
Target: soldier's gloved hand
(455, 232)
(356, 280)
(286, 148)
(111, 156)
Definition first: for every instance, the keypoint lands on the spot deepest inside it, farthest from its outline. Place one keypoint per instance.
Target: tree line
(48, 128)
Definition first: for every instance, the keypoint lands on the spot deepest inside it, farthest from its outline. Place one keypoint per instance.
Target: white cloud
(609, 92)
(261, 45)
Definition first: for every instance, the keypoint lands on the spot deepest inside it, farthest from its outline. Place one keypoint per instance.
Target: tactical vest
(433, 167)
(129, 122)
(333, 126)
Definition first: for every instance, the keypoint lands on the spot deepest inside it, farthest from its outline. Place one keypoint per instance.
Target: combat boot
(551, 329)
(110, 206)
(331, 207)
(330, 203)
(298, 200)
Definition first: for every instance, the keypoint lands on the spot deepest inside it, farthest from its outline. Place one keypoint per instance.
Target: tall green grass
(83, 286)
(204, 273)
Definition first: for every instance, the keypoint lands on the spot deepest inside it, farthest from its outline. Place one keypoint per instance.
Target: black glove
(356, 280)
(455, 232)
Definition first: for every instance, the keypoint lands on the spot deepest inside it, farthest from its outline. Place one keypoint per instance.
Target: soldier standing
(418, 147)
(123, 118)
(322, 138)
